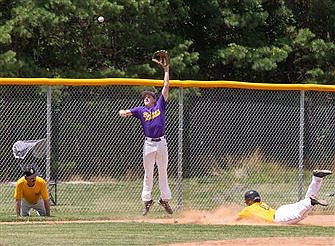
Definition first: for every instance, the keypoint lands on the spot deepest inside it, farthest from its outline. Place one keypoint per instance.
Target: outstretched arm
(165, 90)
(162, 58)
(125, 113)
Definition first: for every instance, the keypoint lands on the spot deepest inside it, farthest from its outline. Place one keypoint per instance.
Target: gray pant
(39, 207)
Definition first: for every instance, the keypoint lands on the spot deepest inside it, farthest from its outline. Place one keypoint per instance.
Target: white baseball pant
(26, 206)
(293, 213)
(155, 152)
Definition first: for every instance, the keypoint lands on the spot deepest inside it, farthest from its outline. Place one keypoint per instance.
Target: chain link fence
(222, 142)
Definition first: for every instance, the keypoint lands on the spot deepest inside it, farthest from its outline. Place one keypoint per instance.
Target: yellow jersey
(31, 194)
(258, 210)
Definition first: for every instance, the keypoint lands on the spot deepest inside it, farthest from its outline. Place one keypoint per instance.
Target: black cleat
(147, 206)
(315, 201)
(321, 173)
(166, 206)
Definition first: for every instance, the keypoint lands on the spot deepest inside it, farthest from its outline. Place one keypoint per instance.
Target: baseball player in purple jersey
(152, 118)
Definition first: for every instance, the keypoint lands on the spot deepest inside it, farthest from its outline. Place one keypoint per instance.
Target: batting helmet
(252, 196)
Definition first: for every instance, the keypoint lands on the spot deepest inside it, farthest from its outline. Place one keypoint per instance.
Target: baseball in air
(101, 19)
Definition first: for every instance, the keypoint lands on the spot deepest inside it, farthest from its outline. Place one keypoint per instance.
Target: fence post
(301, 144)
(180, 147)
(47, 167)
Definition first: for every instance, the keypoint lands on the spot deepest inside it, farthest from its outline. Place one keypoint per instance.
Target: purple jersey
(152, 119)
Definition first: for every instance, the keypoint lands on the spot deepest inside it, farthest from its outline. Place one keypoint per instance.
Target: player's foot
(166, 206)
(321, 173)
(315, 201)
(147, 205)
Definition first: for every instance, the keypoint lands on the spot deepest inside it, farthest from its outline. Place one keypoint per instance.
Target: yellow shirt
(258, 210)
(31, 194)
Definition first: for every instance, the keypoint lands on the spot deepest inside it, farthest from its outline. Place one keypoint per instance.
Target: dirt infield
(225, 216)
(273, 241)
(221, 216)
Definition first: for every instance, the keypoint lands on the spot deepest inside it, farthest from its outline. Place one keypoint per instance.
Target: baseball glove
(162, 58)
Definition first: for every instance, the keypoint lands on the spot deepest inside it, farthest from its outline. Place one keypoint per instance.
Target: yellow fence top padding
(154, 82)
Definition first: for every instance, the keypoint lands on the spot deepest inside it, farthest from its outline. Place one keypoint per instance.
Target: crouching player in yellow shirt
(31, 193)
(286, 214)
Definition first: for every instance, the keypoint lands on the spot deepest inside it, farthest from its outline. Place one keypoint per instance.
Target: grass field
(121, 201)
(116, 233)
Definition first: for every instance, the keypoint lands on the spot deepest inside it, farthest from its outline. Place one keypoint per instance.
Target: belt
(155, 139)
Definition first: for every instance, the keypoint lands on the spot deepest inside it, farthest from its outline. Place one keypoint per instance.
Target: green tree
(261, 41)
(62, 38)
(314, 40)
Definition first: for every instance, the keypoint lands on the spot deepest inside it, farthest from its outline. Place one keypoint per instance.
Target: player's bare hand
(122, 113)
(125, 113)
